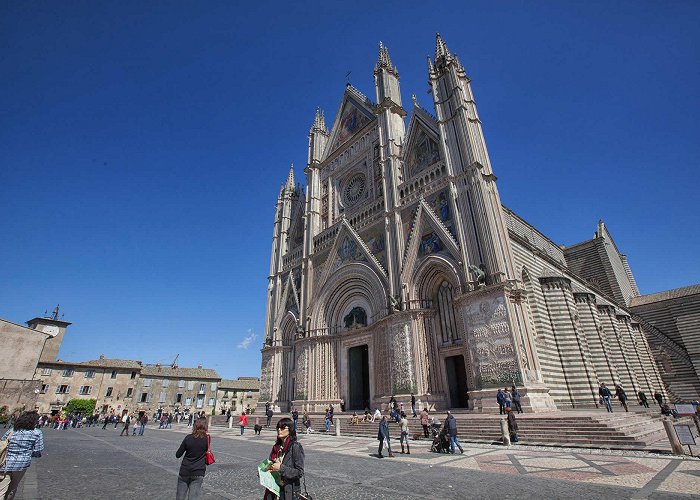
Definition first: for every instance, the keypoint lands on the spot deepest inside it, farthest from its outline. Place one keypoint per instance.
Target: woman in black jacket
(193, 467)
(287, 458)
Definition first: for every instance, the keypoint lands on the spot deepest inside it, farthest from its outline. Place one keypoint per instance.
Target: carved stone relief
(491, 343)
(402, 369)
(302, 373)
(266, 378)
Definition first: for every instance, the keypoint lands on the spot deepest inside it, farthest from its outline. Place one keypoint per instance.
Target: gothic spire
(441, 49)
(384, 61)
(290, 178)
(319, 122)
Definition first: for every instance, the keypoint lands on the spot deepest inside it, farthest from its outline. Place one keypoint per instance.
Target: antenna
(347, 77)
(174, 363)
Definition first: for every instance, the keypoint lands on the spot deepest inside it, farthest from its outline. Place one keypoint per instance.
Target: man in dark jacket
(516, 400)
(512, 425)
(451, 426)
(606, 396)
(501, 399)
(382, 435)
(643, 399)
(659, 398)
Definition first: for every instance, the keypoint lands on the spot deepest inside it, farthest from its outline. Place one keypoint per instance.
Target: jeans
(295, 425)
(413, 409)
(15, 479)
(242, 429)
(189, 488)
(142, 429)
(455, 442)
(608, 405)
(381, 447)
(328, 425)
(517, 406)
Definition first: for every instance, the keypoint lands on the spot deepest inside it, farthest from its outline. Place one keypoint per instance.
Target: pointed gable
(290, 297)
(422, 142)
(347, 248)
(428, 235)
(354, 113)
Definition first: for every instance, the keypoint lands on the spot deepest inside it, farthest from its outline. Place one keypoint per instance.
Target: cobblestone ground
(95, 463)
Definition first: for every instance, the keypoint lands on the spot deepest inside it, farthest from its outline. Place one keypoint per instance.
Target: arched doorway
(358, 377)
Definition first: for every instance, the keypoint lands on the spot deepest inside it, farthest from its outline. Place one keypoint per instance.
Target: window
(188, 402)
(446, 313)
(85, 390)
(90, 374)
(68, 372)
(178, 398)
(46, 371)
(114, 374)
(212, 401)
(147, 382)
(129, 392)
(202, 388)
(200, 402)
(190, 385)
(109, 392)
(166, 382)
(62, 389)
(162, 398)
(144, 397)
(133, 375)
(213, 387)
(181, 383)
(44, 388)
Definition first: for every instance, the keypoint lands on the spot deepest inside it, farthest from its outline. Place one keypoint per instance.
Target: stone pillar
(589, 320)
(618, 354)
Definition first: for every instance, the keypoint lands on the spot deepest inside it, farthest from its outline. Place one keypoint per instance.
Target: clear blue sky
(142, 146)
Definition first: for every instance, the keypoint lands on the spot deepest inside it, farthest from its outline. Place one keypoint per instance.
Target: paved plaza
(95, 463)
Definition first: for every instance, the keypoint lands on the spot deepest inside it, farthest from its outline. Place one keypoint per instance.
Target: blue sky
(142, 146)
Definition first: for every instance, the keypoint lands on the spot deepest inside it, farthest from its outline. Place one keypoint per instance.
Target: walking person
(507, 399)
(403, 423)
(242, 421)
(287, 457)
(606, 396)
(24, 442)
(295, 418)
(193, 466)
(413, 405)
(269, 414)
(104, 424)
(451, 426)
(501, 400)
(622, 396)
(126, 420)
(144, 421)
(329, 419)
(382, 435)
(659, 398)
(516, 400)
(643, 399)
(424, 420)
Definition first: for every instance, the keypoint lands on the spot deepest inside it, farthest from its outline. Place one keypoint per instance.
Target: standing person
(451, 426)
(307, 423)
(193, 466)
(516, 400)
(25, 442)
(104, 424)
(424, 420)
(659, 398)
(507, 399)
(622, 396)
(242, 421)
(125, 420)
(643, 399)
(606, 396)
(287, 457)
(228, 415)
(501, 400)
(382, 435)
(144, 421)
(135, 426)
(329, 418)
(269, 414)
(190, 419)
(404, 433)
(413, 405)
(295, 418)
(512, 425)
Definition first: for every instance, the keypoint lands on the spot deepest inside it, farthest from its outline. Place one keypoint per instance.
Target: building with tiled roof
(238, 395)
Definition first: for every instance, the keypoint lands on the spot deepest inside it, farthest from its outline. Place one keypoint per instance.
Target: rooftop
(169, 371)
(242, 384)
(676, 293)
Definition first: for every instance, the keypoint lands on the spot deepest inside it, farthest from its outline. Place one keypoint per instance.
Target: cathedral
(398, 271)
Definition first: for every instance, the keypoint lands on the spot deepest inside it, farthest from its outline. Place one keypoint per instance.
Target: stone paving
(95, 463)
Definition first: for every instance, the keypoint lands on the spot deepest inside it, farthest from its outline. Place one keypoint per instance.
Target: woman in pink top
(243, 421)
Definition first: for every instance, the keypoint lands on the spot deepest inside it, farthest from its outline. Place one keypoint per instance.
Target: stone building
(238, 395)
(398, 270)
(674, 316)
(171, 388)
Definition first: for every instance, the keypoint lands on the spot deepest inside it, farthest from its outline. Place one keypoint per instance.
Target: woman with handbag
(197, 450)
(24, 442)
(287, 457)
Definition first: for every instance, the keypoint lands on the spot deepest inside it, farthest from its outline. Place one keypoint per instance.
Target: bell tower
(53, 326)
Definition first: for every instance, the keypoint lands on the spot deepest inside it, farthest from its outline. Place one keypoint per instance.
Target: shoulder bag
(209, 456)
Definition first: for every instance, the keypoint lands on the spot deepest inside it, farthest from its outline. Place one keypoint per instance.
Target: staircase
(637, 430)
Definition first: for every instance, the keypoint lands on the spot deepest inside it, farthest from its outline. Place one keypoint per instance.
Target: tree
(84, 406)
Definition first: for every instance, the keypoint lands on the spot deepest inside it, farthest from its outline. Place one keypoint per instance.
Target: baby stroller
(441, 444)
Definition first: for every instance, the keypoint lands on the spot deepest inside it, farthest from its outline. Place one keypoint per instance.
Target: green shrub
(84, 406)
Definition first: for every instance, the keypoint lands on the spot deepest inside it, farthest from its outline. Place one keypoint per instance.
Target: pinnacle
(441, 49)
(319, 122)
(290, 178)
(384, 60)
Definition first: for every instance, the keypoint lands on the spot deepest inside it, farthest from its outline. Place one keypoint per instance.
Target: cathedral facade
(398, 271)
